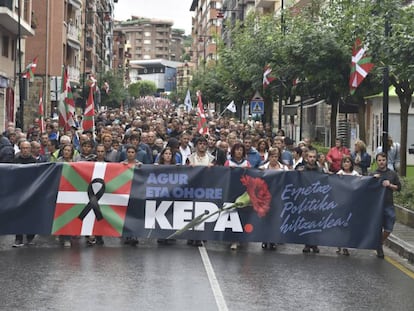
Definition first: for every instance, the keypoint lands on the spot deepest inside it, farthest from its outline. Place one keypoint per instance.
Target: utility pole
(21, 88)
(282, 26)
(385, 92)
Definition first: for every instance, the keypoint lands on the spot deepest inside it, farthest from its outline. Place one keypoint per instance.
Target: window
(147, 34)
(13, 53)
(5, 46)
(147, 41)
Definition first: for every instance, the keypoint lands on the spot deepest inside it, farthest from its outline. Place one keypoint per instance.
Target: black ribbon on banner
(93, 200)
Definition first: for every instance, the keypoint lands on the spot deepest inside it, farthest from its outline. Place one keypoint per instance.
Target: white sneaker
(234, 246)
(18, 244)
(67, 244)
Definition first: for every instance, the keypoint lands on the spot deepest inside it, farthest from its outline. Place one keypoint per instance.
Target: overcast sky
(177, 11)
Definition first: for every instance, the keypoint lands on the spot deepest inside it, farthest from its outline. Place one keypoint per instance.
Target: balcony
(10, 20)
(74, 74)
(73, 35)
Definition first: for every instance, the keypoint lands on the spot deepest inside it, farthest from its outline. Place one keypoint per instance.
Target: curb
(402, 248)
(404, 216)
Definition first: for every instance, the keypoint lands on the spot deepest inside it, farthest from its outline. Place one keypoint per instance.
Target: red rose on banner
(259, 194)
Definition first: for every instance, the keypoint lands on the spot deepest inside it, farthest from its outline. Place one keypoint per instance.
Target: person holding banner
(347, 168)
(310, 165)
(237, 159)
(131, 160)
(68, 151)
(273, 164)
(200, 158)
(390, 180)
(166, 158)
(24, 157)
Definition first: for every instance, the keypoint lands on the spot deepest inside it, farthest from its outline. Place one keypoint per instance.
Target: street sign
(257, 106)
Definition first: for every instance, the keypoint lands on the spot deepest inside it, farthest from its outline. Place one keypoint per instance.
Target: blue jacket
(253, 157)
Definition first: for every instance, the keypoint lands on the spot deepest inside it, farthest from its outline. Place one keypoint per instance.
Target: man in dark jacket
(389, 180)
(6, 150)
(24, 157)
(311, 165)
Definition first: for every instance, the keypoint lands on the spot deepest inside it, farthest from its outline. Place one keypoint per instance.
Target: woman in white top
(273, 164)
(237, 159)
(347, 168)
(238, 156)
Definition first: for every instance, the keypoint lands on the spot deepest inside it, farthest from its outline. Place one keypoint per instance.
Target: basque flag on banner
(92, 199)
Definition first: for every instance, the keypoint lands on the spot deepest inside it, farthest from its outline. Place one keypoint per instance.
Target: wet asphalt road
(174, 277)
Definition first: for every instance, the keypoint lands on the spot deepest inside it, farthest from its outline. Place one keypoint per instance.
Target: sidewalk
(401, 241)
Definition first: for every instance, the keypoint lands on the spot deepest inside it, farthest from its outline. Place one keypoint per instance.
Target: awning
(291, 109)
(391, 93)
(76, 3)
(74, 45)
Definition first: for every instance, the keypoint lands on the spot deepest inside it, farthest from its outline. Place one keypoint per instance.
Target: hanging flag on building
(202, 121)
(66, 106)
(30, 70)
(232, 107)
(360, 67)
(41, 113)
(187, 102)
(267, 79)
(105, 87)
(88, 122)
(92, 82)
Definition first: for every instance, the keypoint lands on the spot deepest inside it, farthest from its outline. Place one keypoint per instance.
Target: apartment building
(206, 28)
(15, 28)
(72, 33)
(147, 38)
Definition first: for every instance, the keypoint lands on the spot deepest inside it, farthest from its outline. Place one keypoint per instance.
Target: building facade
(206, 28)
(149, 38)
(15, 28)
(72, 33)
(160, 71)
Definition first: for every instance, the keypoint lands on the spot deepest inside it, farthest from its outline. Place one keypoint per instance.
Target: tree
(142, 88)
(116, 93)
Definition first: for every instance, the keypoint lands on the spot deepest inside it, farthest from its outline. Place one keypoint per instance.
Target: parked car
(411, 149)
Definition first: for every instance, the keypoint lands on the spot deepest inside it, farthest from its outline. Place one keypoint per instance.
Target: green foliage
(405, 197)
(117, 93)
(142, 88)
(320, 148)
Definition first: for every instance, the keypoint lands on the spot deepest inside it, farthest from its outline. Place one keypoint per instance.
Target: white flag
(231, 107)
(187, 102)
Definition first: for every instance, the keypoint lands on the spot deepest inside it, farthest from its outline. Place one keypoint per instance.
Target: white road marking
(215, 286)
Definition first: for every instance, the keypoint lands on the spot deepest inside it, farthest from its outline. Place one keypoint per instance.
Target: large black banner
(114, 199)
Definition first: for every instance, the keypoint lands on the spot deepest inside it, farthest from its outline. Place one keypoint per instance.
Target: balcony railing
(74, 32)
(74, 74)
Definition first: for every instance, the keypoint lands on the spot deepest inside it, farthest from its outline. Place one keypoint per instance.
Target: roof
(158, 61)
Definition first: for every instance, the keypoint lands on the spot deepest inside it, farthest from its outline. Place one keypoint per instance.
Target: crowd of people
(149, 135)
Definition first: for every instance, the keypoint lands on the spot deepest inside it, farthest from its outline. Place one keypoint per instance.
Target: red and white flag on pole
(88, 122)
(202, 121)
(267, 79)
(360, 67)
(41, 113)
(30, 70)
(66, 106)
